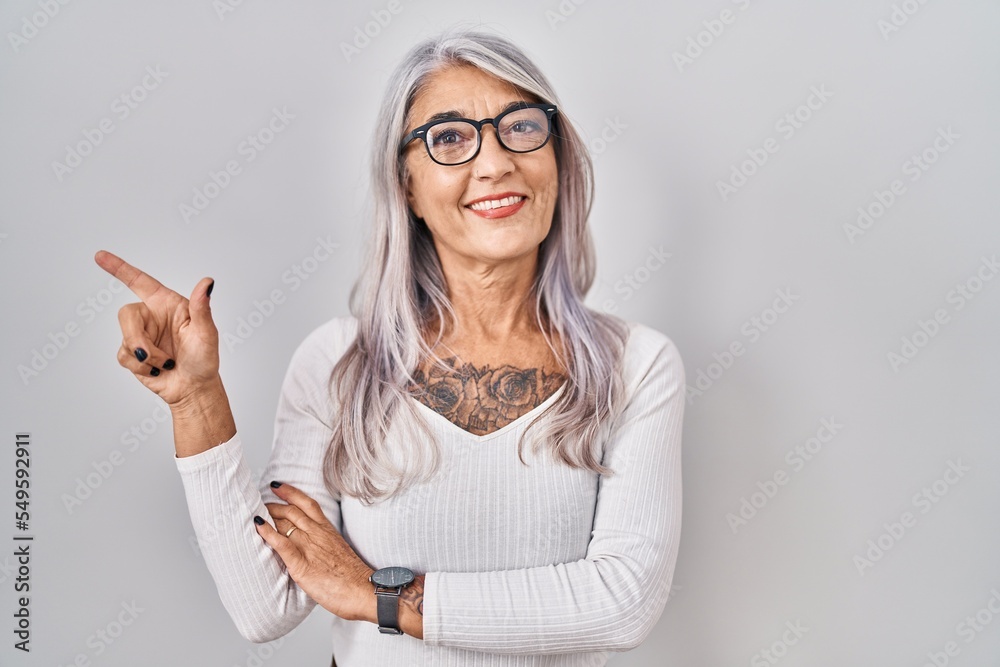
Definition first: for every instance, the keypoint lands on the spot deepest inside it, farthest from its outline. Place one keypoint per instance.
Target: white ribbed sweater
(525, 565)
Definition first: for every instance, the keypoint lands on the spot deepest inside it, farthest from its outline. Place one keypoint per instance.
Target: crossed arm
(608, 601)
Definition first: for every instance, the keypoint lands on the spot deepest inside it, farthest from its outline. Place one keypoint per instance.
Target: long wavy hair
(402, 285)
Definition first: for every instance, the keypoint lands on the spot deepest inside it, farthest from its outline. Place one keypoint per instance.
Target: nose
(493, 160)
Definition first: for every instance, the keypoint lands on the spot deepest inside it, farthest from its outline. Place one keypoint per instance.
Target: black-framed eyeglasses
(452, 141)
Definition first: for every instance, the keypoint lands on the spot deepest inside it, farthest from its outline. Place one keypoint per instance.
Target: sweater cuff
(432, 612)
(230, 450)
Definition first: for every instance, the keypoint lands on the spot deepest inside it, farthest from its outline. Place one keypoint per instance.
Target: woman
(399, 491)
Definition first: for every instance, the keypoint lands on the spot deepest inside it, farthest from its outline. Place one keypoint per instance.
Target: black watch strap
(388, 610)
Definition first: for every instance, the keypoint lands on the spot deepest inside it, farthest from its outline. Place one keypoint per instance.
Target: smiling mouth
(491, 204)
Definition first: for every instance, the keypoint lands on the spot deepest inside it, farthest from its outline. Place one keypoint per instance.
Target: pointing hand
(170, 343)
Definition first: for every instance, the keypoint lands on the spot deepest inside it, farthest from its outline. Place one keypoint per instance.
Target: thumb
(199, 305)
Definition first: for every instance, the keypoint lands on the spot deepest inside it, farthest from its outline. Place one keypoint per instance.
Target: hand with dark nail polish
(257, 520)
(159, 331)
(275, 485)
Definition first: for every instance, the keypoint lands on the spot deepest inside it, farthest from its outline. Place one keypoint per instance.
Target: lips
(489, 204)
(498, 205)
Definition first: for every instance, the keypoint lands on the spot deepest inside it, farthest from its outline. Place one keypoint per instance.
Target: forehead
(465, 89)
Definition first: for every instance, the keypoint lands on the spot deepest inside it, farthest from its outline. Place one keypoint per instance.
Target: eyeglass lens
(521, 131)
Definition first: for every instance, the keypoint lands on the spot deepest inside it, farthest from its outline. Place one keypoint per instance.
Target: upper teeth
(495, 203)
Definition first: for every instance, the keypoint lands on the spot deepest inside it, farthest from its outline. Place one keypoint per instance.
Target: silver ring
(290, 531)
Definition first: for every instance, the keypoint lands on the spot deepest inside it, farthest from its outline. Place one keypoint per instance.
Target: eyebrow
(452, 113)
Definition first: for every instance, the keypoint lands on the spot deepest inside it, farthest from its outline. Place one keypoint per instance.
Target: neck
(492, 304)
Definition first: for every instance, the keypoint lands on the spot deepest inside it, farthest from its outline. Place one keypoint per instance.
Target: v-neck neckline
(447, 423)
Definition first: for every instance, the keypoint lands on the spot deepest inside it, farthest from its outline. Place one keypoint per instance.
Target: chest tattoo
(483, 399)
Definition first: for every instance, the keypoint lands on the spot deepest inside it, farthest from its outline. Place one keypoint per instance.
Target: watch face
(391, 577)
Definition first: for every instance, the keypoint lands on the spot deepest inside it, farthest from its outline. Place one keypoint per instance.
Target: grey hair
(401, 285)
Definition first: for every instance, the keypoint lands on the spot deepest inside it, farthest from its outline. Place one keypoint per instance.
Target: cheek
(550, 177)
(549, 169)
(444, 192)
(421, 193)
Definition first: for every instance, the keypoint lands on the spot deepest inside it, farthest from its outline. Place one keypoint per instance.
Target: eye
(450, 135)
(524, 127)
(446, 137)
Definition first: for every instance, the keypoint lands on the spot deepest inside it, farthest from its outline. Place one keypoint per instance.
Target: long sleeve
(223, 496)
(612, 598)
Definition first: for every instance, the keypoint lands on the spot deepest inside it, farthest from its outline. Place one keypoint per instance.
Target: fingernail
(168, 364)
(208, 292)
(257, 520)
(155, 371)
(275, 485)
(140, 354)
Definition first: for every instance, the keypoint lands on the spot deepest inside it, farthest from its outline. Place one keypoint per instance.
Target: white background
(672, 131)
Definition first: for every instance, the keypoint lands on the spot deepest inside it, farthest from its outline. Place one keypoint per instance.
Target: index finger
(301, 500)
(142, 284)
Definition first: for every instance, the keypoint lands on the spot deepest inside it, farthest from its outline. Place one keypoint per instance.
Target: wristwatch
(389, 582)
